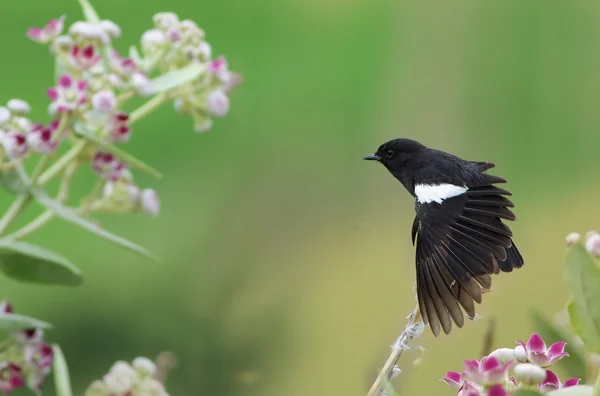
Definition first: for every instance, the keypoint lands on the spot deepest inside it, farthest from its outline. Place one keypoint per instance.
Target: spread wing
(461, 241)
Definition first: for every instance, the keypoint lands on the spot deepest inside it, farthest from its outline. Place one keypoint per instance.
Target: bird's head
(396, 153)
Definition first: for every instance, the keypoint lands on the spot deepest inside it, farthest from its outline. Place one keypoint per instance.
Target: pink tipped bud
(592, 245)
(218, 103)
(149, 201)
(107, 166)
(40, 138)
(104, 101)
(47, 33)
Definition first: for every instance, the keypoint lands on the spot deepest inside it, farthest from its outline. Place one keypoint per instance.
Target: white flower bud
(144, 366)
(151, 39)
(165, 20)
(18, 106)
(4, 115)
(520, 354)
(117, 384)
(97, 388)
(204, 125)
(503, 354)
(572, 238)
(142, 84)
(24, 124)
(204, 51)
(90, 31)
(529, 374)
(592, 245)
(62, 44)
(111, 28)
(115, 81)
(218, 103)
(124, 369)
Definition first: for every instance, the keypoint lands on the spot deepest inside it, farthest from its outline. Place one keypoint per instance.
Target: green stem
(43, 162)
(48, 215)
(62, 163)
(13, 211)
(146, 108)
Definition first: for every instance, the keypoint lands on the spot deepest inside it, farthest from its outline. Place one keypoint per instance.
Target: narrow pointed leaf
(71, 216)
(120, 154)
(31, 263)
(16, 322)
(583, 278)
(62, 380)
(574, 366)
(578, 390)
(175, 78)
(89, 12)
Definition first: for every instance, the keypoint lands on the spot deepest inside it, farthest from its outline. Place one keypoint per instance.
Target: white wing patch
(427, 193)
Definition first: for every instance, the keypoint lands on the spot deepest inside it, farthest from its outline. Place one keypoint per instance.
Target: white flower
(503, 354)
(142, 84)
(572, 238)
(165, 20)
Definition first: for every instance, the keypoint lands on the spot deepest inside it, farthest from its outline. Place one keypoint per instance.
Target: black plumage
(460, 237)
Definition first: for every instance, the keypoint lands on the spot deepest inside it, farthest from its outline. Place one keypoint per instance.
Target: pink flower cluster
(26, 358)
(491, 374)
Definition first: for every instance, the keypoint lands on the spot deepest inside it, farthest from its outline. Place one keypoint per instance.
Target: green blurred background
(288, 265)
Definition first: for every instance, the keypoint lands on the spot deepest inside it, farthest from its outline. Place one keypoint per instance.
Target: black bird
(461, 239)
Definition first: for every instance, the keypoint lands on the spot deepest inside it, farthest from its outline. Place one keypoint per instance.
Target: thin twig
(413, 329)
(488, 338)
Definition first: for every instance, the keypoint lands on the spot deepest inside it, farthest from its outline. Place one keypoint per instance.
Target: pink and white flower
(118, 127)
(41, 138)
(107, 166)
(220, 69)
(47, 33)
(536, 352)
(454, 379)
(15, 144)
(487, 371)
(592, 244)
(149, 202)
(84, 58)
(104, 101)
(68, 95)
(121, 66)
(5, 307)
(10, 377)
(552, 382)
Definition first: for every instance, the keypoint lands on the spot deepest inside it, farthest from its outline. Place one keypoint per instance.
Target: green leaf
(135, 55)
(89, 12)
(175, 78)
(583, 278)
(597, 386)
(578, 390)
(120, 154)
(575, 365)
(10, 180)
(62, 381)
(72, 217)
(30, 263)
(527, 392)
(16, 322)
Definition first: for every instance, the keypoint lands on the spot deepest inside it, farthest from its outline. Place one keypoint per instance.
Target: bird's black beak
(372, 157)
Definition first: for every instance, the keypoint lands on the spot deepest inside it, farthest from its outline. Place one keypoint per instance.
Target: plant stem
(43, 162)
(415, 321)
(62, 163)
(48, 215)
(146, 108)
(13, 210)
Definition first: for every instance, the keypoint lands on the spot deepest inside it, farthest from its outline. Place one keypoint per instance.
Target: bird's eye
(390, 153)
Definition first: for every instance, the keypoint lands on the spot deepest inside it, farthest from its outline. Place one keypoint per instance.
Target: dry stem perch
(413, 329)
